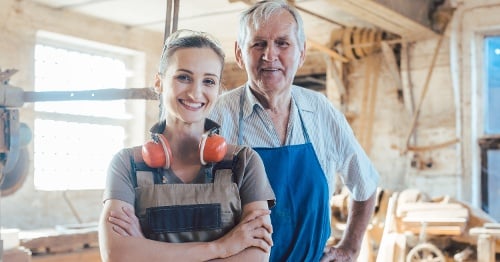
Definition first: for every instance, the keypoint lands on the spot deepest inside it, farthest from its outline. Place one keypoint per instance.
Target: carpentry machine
(14, 137)
(409, 226)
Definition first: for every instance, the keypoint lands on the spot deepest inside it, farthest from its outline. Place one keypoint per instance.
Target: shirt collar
(250, 101)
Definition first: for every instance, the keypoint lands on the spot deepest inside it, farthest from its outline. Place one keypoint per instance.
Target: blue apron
(300, 219)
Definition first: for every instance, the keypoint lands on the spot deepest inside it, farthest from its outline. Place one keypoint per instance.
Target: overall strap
(139, 166)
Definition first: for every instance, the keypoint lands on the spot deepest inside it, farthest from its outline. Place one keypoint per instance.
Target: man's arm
(359, 216)
(121, 239)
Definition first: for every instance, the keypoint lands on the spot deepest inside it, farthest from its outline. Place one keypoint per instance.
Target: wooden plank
(363, 123)
(403, 209)
(437, 230)
(492, 225)
(373, 108)
(54, 241)
(83, 255)
(392, 245)
(327, 50)
(335, 89)
(434, 220)
(475, 231)
(19, 254)
(430, 214)
(486, 248)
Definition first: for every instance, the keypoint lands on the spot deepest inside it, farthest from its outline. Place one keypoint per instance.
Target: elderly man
(303, 140)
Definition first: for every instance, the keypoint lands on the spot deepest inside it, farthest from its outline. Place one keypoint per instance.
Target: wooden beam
(385, 18)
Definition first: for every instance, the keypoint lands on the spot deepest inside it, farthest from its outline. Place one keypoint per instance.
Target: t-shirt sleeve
(118, 180)
(252, 178)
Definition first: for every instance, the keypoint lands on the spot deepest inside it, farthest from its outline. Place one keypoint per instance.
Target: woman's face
(191, 84)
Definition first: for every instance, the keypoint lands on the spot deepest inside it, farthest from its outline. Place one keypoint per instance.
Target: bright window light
(74, 141)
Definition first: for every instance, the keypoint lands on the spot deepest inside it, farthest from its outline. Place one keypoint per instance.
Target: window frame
(134, 127)
(467, 36)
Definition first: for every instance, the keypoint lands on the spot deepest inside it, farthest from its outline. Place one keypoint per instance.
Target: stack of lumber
(436, 218)
(62, 244)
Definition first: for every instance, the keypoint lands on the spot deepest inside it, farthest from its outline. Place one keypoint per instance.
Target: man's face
(271, 54)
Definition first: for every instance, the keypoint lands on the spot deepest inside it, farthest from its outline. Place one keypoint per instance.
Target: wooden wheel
(425, 252)
(347, 43)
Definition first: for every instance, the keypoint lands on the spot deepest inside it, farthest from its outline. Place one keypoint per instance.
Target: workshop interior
(418, 82)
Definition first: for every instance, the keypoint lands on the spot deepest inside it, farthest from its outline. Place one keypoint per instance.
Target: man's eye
(259, 44)
(282, 43)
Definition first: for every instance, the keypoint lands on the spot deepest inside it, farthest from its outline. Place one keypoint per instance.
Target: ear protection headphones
(156, 152)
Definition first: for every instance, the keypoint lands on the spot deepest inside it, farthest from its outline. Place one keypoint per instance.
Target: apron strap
(240, 119)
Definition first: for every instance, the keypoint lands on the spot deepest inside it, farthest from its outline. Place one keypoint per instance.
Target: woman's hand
(254, 230)
(125, 223)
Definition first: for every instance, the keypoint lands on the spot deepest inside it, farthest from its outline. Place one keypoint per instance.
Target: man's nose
(270, 53)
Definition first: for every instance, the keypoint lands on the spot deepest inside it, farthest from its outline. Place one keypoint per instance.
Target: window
(490, 142)
(492, 92)
(74, 141)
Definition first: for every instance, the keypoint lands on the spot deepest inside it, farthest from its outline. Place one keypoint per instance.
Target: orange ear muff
(156, 152)
(213, 148)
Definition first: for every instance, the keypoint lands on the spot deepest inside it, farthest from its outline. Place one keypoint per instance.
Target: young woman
(187, 195)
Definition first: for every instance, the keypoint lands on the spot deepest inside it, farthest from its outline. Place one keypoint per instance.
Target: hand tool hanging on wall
(416, 114)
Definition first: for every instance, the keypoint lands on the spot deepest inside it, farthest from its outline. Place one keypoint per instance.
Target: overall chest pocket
(182, 218)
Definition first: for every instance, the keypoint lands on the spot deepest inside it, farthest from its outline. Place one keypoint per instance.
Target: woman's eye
(183, 78)
(209, 82)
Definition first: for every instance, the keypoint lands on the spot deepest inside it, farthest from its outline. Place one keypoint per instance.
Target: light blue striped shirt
(333, 140)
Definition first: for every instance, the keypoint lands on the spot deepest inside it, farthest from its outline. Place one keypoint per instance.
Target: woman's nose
(195, 90)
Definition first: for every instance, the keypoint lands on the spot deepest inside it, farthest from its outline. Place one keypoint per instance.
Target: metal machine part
(14, 137)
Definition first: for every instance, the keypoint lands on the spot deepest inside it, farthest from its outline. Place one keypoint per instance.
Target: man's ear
(303, 55)
(158, 84)
(238, 55)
